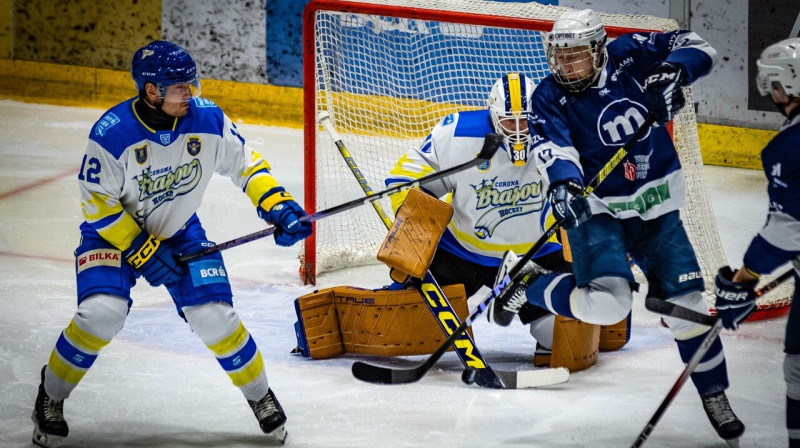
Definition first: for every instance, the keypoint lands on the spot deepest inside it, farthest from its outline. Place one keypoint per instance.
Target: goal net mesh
(387, 71)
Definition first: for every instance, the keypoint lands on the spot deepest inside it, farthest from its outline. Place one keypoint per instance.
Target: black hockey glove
(279, 208)
(569, 210)
(153, 259)
(735, 301)
(663, 91)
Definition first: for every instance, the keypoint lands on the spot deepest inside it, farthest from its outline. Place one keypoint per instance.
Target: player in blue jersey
(499, 206)
(148, 163)
(778, 242)
(596, 96)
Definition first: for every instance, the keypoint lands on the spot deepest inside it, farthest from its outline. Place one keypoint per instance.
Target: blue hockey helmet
(163, 63)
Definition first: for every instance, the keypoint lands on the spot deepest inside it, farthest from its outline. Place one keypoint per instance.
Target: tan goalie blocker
(345, 319)
(411, 242)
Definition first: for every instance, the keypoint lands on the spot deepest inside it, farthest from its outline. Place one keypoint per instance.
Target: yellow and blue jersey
(135, 177)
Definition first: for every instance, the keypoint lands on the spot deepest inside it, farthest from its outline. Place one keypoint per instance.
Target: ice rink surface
(157, 385)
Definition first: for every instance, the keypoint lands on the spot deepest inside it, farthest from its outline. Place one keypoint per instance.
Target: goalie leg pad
(614, 337)
(575, 345)
(385, 322)
(412, 240)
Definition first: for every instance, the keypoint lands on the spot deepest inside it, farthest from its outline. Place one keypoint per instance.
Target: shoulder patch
(450, 119)
(202, 102)
(105, 123)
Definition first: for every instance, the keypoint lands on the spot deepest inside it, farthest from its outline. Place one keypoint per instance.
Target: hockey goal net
(386, 71)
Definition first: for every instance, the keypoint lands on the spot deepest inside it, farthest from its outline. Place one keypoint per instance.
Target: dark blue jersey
(779, 240)
(578, 133)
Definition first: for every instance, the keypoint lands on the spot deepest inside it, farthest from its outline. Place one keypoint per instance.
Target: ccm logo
(732, 296)
(689, 276)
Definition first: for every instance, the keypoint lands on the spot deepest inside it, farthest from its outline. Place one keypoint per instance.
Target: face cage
(576, 85)
(517, 143)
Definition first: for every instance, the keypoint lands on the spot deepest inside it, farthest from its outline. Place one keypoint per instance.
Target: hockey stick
(661, 306)
(437, 301)
(387, 375)
(490, 146)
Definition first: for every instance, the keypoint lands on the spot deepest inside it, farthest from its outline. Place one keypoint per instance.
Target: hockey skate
(49, 426)
(722, 418)
(270, 416)
(510, 301)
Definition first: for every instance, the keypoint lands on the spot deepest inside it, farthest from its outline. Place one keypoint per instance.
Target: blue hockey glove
(153, 259)
(663, 92)
(735, 301)
(569, 210)
(279, 208)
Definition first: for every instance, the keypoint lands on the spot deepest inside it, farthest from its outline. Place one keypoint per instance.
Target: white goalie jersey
(497, 206)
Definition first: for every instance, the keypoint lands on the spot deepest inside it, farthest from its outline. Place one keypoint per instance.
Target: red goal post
(386, 71)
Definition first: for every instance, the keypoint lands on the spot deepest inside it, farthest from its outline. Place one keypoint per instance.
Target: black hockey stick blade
(490, 145)
(661, 306)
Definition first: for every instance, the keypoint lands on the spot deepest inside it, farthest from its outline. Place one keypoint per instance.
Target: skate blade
(46, 440)
(734, 443)
(280, 434)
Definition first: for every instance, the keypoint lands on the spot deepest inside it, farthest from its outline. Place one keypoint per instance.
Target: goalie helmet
(163, 64)
(576, 49)
(509, 107)
(780, 63)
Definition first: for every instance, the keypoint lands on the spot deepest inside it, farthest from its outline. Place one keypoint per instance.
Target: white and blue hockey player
(498, 206)
(147, 165)
(596, 96)
(778, 242)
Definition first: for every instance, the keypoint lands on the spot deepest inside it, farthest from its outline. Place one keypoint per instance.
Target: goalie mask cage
(388, 70)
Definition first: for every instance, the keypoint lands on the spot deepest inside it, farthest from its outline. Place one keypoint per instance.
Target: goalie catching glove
(279, 208)
(153, 259)
(735, 301)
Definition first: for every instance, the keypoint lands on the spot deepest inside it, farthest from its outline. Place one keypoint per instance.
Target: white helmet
(780, 63)
(509, 106)
(576, 49)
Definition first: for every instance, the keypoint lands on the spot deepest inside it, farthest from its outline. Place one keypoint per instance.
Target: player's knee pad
(102, 315)
(684, 329)
(98, 319)
(791, 374)
(605, 301)
(212, 321)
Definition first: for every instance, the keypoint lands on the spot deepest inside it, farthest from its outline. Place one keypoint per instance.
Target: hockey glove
(153, 260)
(735, 301)
(568, 210)
(663, 92)
(279, 208)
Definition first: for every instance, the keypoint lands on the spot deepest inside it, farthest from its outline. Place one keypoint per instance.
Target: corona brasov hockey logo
(164, 185)
(504, 199)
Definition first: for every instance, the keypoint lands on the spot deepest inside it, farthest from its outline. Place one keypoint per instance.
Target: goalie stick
(666, 308)
(388, 375)
(481, 373)
(490, 146)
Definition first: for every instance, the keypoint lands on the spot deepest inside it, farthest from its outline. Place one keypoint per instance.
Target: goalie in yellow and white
(498, 206)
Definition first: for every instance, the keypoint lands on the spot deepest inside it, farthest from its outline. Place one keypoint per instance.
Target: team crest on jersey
(619, 120)
(503, 200)
(163, 185)
(141, 154)
(484, 166)
(194, 145)
(98, 257)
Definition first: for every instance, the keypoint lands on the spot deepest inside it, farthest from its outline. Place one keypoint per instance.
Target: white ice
(157, 385)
